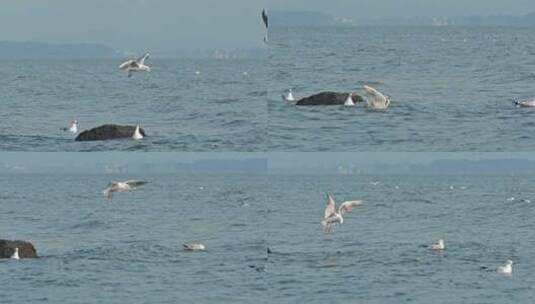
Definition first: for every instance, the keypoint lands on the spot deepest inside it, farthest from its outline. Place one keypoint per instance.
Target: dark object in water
(26, 249)
(265, 18)
(107, 132)
(328, 99)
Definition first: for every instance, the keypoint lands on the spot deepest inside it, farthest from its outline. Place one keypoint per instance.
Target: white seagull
(194, 247)
(438, 246)
(121, 186)
(349, 101)
(137, 134)
(377, 100)
(506, 269)
(288, 96)
(15, 254)
(525, 103)
(73, 127)
(332, 216)
(135, 65)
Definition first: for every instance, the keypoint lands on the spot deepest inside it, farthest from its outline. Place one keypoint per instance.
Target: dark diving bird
(266, 23)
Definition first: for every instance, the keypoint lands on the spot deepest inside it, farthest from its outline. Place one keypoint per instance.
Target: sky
(131, 25)
(169, 25)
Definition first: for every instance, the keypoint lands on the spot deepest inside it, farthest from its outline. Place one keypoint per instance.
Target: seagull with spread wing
(135, 65)
(332, 216)
(121, 187)
(377, 100)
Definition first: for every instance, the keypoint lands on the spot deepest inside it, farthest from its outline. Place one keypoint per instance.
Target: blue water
(129, 250)
(451, 88)
(219, 110)
(379, 254)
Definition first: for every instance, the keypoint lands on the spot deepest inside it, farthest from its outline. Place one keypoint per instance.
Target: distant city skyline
(370, 9)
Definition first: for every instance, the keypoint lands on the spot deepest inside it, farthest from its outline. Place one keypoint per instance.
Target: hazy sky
(168, 25)
(162, 25)
(408, 8)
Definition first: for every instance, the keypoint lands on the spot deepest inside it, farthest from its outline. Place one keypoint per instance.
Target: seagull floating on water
(15, 254)
(530, 103)
(288, 96)
(194, 247)
(349, 101)
(121, 186)
(73, 127)
(137, 134)
(135, 65)
(377, 100)
(332, 216)
(438, 245)
(506, 269)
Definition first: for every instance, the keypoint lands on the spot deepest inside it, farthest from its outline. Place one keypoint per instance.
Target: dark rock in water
(26, 249)
(107, 132)
(327, 99)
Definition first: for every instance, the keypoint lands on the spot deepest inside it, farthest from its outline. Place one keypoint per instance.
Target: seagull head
(509, 262)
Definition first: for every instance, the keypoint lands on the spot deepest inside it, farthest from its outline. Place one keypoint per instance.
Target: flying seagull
(135, 65)
(332, 216)
(73, 127)
(377, 100)
(121, 186)
(266, 23)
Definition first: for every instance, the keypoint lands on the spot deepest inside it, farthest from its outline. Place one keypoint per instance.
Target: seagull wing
(126, 64)
(330, 209)
(347, 206)
(135, 183)
(142, 59)
(378, 97)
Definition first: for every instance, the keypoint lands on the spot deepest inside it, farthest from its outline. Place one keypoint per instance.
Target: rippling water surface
(129, 250)
(221, 109)
(451, 88)
(379, 256)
